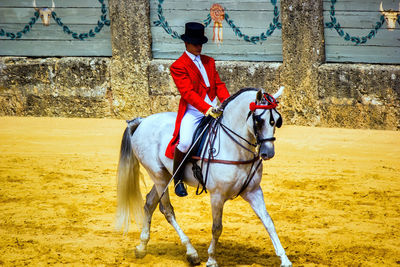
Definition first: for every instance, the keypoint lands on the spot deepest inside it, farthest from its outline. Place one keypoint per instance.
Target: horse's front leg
(256, 200)
(217, 205)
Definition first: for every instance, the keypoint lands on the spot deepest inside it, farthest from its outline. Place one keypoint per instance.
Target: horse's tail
(129, 198)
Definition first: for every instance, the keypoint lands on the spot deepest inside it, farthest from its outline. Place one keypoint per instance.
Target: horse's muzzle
(267, 156)
(267, 151)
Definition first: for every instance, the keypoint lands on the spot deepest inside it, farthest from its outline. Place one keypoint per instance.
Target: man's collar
(191, 56)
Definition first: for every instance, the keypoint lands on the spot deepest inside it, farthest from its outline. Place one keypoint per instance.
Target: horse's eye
(258, 119)
(259, 123)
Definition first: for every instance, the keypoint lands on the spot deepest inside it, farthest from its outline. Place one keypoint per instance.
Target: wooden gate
(357, 31)
(77, 28)
(236, 30)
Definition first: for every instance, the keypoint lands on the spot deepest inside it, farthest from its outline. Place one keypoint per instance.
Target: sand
(332, 193)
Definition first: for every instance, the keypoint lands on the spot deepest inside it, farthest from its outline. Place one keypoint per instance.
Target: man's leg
(189, 123)
(180, 189)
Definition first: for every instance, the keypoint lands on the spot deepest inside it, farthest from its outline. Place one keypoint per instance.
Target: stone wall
(132, 83)
(359, 96)
(67, 87)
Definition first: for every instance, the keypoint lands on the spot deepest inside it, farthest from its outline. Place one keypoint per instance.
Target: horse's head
(262, 121)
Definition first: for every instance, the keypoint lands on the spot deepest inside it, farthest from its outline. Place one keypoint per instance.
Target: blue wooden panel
(251, 29)
(42, 3)
(77, 28)
(356, 31)
(54, 48)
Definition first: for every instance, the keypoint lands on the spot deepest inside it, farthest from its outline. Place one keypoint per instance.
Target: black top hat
(194, 33)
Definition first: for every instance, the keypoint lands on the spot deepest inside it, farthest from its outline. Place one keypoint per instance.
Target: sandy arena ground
(332, 193)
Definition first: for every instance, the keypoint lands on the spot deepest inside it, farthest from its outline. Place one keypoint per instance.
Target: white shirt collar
(200, 66)
(192, 57)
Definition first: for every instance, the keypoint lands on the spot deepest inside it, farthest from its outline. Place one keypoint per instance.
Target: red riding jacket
(191, 86)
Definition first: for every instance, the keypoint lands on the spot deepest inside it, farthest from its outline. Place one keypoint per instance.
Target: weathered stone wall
(303, 52)
(131, 83)
(131, 49)
(359, 96)
(67, 87)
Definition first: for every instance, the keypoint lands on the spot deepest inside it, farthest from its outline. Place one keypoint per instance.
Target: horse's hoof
(285, 262)
(140, 253)
(211, 264)
(193, 259)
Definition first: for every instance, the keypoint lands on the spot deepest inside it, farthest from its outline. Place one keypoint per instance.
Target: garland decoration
(163, 23)
(264, 35)
(103, 21)
(346, 36)
(82, 36)
(25, 30)
(275, 24)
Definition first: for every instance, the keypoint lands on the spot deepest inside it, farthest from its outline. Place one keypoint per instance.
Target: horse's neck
(235, 116)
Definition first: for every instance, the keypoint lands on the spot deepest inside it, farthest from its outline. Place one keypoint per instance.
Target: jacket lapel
(208, 71)
(189, 62)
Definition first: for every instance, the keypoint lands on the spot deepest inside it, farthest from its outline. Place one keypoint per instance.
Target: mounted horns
(34, 6)
(53, 6)
(381, 7)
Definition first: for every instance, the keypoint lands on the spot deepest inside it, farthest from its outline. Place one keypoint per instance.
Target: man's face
(195, 49)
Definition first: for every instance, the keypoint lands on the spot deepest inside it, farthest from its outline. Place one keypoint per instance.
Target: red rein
(253, 106)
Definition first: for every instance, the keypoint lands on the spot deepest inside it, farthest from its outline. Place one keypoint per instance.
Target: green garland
(25, 30)
(79, 36)
(162, 22)
(263, 36)
(346, 36)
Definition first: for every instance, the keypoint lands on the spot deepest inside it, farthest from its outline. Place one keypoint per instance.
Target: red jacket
(191, 86)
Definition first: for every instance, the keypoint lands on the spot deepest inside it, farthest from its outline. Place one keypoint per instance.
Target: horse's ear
(279, 93)
(259, 95)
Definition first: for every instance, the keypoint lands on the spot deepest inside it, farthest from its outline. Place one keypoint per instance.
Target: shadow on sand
(229, 253)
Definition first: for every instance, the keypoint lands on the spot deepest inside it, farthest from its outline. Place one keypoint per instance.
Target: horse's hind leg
(256, 200)
(168, 211)
(149, 207)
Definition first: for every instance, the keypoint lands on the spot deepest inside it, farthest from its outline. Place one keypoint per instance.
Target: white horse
(250, 117)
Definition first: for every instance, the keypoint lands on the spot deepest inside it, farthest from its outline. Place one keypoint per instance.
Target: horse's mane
(232, 97)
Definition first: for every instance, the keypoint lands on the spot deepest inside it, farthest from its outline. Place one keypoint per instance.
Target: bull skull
(390, 16)
(45, 13)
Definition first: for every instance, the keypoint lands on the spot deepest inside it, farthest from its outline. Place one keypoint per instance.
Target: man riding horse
(199, 84)
(245, 140)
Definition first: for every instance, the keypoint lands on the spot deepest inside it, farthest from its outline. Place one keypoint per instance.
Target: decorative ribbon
(272, 104)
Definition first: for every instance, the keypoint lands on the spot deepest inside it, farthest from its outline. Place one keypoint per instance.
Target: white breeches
(189, 123)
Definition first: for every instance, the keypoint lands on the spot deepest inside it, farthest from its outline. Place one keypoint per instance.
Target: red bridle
(272, 104)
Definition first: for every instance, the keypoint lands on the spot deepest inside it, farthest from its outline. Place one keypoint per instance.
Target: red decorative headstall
(271, 104)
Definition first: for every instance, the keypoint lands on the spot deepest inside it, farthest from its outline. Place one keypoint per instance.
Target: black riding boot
(180, 189)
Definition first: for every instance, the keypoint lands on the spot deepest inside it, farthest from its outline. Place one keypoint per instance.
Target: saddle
(204, 151)
(197, 151)
(198, 147)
